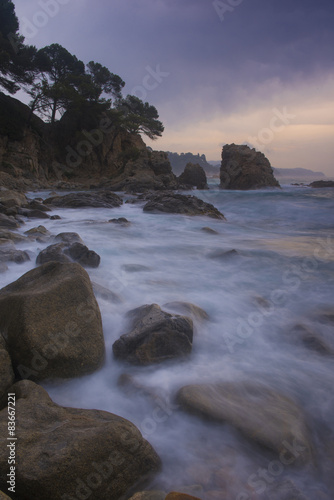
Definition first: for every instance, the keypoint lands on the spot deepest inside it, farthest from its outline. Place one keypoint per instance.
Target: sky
(256, 72)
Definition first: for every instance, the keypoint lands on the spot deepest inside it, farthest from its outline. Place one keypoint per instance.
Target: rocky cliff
(244, 168)
(77, 152)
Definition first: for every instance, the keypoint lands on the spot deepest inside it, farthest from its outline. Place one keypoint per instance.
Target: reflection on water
(280, 276)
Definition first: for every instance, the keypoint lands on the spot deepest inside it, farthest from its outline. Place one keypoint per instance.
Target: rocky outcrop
(154, 336)
(99, 199)
(173, 203)
(193, 176)
(151, 170)
(322, 184)
(72, 453)
(79, 152)
(244, 168)
(261, 414)
(51, 323)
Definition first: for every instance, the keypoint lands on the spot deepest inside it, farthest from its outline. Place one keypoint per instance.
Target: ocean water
(282, 275)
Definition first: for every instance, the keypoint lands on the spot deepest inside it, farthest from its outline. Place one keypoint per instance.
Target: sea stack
(244, 168)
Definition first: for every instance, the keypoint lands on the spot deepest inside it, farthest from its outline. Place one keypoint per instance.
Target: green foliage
(139, 116)
(17, 61)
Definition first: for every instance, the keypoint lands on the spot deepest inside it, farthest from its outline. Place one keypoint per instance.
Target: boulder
(8, 253)
(82, 255)
(68, 238)
(3, 496)
(244, 168)
(8, 222)
(99, 199)
(38, 205)
(51, 323)
(189, 309)
(173, 203)
(193, 176)
(10, 198)
(53, 253)
(209, 230)
(106, 294)
(33, 214)
(66, 453)
(261, 414)
(9, 235)
(154, 336)
(121, 221)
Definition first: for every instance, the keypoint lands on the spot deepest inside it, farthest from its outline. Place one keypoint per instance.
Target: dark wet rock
(244, 168)
(209, 230)
(322, 184)
(38, 205)
(121, 221)
(8, 222)
(53, 253)
(14, 237)
(168, 202)
(68, 238)
(81, 254)
(8, 253)
(33, 214)
(261, 414)
(189, 309)
(311, 340)
(70, 247)
(67, 453)
(10, 198)
(38, 232)
(52, 323)
(193, 176)
(223, 254)
(154, 336)
(102, 199)
(55, 217)
(135, 268)
(6, 370)
(106, 294)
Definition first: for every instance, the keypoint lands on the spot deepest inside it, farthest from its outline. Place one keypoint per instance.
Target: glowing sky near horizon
(217, 71)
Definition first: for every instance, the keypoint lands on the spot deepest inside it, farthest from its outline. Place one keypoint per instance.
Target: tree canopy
(58, 82)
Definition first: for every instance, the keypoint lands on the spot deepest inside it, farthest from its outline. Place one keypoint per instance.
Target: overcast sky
(245, 71)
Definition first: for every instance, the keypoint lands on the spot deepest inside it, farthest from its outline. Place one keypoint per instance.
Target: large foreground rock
(245, 168)
(6, 370)
(261, 414)
(173, 203)
(100, 199)
(66, 453)
(51, 323)
(193, 176)
(154, 336)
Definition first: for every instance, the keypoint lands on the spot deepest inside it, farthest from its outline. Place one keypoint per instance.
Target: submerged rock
(8, 253)
(52, 323)
(155, 336)
(187, 308)
(102, 199)
(173, 203)
(72, 453)
(260, 413)
(193, 176)
(311, 340)
(244, 168)
(70, 248)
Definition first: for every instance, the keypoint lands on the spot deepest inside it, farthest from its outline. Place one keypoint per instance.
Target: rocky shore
(51, 330)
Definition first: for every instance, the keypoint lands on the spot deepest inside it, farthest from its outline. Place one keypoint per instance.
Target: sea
(281, 275)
